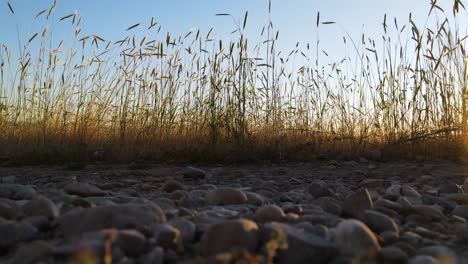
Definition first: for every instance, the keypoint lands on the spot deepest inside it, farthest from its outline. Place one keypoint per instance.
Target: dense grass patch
(192, 97)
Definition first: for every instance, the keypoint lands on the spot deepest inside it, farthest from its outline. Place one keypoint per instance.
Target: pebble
(390, 205)
(16, 191)
(409, 191)
(83, 189)
(394, 190)
(461, 231)
(9, 209)
(225, 196)
(167, 236)
(302, 247)
(423, 260)
(356, 204)
(9, 179)
(15, 232)
(450, 188)
(269, 213)
(379, 222)
(186, 228)
(131, 241)
(112, 216)
(34, 252)
(389, 237)
(461, 210)
(255, 199)
(41, 206)
(372, 183)
(354, 238)
(465, 184)
(194, 173)
(293, 208)
(460, 198)
(172, 186)
(224, 236)
(430, 213)
(441, 253)
(155, 256)
(392, 255)
(318, 189)
(329, 205)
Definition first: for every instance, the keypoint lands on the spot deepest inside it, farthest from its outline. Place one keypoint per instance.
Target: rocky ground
(317, 212)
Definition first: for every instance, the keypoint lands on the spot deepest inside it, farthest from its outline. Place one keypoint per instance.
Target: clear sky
(295, 19)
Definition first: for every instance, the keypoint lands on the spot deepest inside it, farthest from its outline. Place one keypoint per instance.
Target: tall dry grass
(193, 97)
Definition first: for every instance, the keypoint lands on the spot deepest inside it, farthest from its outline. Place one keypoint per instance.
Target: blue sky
(295, 19)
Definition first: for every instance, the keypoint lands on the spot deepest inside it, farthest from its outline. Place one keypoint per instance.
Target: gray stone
(318, 189)
(293, 208)
(379, 222)
(83, 189)
(40, 222)
(409, 191)
(9, 209)
(407, 247)
(34, 252)
(356, 204)
(429, 212)
(321, 218)
(194, 199)
(220, 212)
(354, 238)
(388, 212)
(302, 247)
(165, 203)
(41, 206)
(255, 198)
(443, 202)
(423, 260)
(224, 236)
(329, 205)
(187, 229)
(155, 256)
(389, 237)
(107, 200)
(392, 255)
(206, 187)
(94, 242)
(16, 191)
(319, 230)
(171, 186)
(390, 205)
(394, 190)
(461, 210)
(9, 179)
(13, 233)
(112, 216)
(131, 241)
(465, 184)
(449, 188)
(409, 201)
(372, 183)
(225, 196)
(194, 173)
(461, 232)
(411, 237)
(269, 213)
(460, 198)
(166, 235)
(439, 253)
